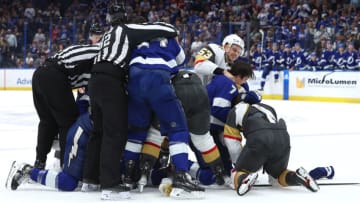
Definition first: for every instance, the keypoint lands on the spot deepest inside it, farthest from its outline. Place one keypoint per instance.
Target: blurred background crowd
(31, 30)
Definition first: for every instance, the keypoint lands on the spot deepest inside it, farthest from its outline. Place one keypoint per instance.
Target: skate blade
(11, 174)
(312, 185)
(141, 187)
(245, 188)
(179, 193)
(142, 182)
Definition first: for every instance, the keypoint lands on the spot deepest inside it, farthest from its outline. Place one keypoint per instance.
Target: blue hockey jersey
(221, 92)
(153, 55)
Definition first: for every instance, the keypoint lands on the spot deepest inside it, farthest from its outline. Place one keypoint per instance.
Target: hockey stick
(262, 44)
(320, 184)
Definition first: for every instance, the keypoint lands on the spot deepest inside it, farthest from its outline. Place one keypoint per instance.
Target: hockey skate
(128, 175)
(165, 186)
(146, 164)
(145, 171)
(184, 188)
(116, 193)
(19, 173)
(303, 177)
(219, 174)
(245, 183)
(89, 187)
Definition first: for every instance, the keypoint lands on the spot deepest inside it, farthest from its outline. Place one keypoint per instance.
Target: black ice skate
(19, 173)
(303, 177)
(219, 172)
(184, 188)
(245, 183)
(129, 174)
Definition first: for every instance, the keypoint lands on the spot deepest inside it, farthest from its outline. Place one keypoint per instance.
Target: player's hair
(242, 69)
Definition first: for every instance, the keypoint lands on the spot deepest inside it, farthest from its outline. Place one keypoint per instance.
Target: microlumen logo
(324, 82)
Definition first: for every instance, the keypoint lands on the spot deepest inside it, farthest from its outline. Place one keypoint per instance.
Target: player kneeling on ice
(68, 178)
(71, 174)
(267, 145)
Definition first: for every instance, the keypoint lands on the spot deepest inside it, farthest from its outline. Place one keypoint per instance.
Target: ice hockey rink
(321, 133)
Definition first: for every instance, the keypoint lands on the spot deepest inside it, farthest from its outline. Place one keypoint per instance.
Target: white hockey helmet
(234, 39)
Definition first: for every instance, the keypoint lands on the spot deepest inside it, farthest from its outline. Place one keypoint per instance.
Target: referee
(53, 98)
(108, 97)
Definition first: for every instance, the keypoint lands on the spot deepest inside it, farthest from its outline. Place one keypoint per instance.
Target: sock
(322, 172)
(54, 179)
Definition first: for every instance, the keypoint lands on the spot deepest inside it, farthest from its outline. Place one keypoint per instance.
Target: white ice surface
(321, 133)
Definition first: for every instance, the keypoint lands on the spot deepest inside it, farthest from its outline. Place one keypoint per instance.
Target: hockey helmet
(96, 29)
(234, 39)
(117, 14)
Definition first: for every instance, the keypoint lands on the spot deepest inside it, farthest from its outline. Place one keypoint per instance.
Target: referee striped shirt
(118, 43)
(76, 62)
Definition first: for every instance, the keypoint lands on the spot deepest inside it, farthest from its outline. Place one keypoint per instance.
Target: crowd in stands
(31, 30)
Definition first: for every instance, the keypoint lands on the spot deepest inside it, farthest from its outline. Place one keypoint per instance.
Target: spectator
(321, 33)
(20, 63)
(196, 45)
(64, 35)
(39, 37)
(55, 33)
(29, 11)
(11, 40)
(39, 61)
(29, 60)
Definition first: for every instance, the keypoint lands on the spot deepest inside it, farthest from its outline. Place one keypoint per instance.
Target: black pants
(56, 108)
(267, 145)
(194, 99)
(107, 142)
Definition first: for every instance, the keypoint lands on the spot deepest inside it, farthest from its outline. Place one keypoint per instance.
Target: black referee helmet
(117, 14)
(96, 29)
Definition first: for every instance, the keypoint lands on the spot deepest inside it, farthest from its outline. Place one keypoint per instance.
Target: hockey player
(312, 63)
(267, 145)
(352, 58)
(216, 60)
(68, 178)
(258, 58)
(200, 170)
(274, 60)
(194, 99)
(327, 57)
(223, 95)
(300, 57)
(288, 58)
(151, 93)
(339, 58)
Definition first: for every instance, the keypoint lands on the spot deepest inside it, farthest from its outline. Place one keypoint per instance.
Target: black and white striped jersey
(118, 43)
(76, 62)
